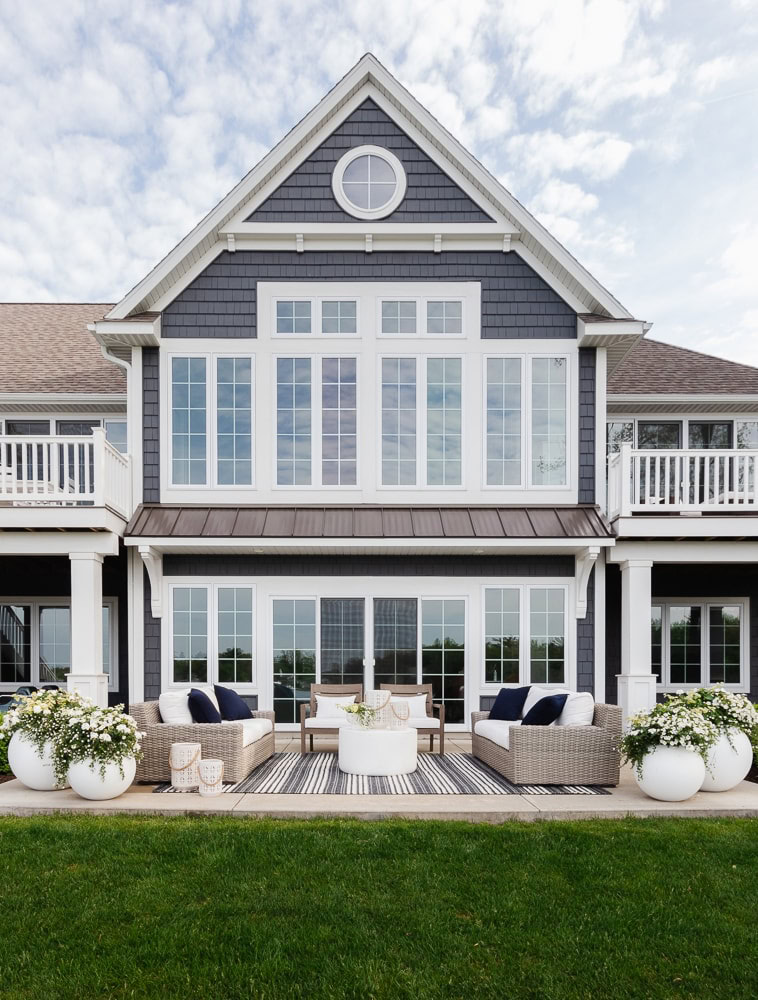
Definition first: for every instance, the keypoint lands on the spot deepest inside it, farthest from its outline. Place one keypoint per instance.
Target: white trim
(683, 551)
(599, 618)
(136, 624)
(56, 542)
(367, 213)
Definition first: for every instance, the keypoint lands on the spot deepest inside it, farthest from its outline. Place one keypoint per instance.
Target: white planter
(728, 763)
(671, 774)
(87, 781)
(33, 769)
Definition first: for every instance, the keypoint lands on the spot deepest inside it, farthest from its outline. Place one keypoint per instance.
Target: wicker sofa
(222, 741)
(556, 755)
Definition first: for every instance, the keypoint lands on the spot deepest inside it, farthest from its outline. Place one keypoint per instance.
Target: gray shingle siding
(306, 195)
(151, 432)
(516, 302)
(585, 643)
(152, 647)
(587, 425)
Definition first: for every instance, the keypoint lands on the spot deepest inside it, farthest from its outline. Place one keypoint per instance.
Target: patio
(625, 800)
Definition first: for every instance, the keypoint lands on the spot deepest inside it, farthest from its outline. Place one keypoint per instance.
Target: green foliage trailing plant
(40, 717)
(4, 765)
(725, 709)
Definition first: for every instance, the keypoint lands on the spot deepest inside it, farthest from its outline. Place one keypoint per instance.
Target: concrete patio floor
(626, 800)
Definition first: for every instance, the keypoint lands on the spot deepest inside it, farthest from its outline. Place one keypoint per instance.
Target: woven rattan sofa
(222, 741)
(429, 725)
(556, 755)
(310, 725)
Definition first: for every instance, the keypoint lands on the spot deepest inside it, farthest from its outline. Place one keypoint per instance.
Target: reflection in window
(725, 645)
(395, 640)
(293, 317)
(619, 432)
(342, 640)
(503, 421)
(502, 631)
(293, 421)
(656, 641)
(444, 317)
(115, 434)
(369, 182)
(443, 422)
(188, 421)
(549, 421)
(653, 434)
(234, 421)
(190, 635)
(746, 433)
(235, 635)
(398, 317)
(685, 653)
(398, 421)
(338, 317)
(54, 644)
(443, 631)
(339, 441)
(547, 635)
(294, 645)
(15, 643)
(710, 434)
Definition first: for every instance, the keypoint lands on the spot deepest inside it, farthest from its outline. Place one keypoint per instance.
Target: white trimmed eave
(369, 78)
(63, 402)
(633, 403)
(685, 526)
(117, 335)
(685, 552)
(618, 337)
(58, 543)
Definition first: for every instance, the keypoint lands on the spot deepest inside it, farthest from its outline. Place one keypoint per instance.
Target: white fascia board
(58, 543)
(357, 241)
(70, 399)
(687, 526)
(367, 78)
(127, 333)
(714, 399)
(33, 518)
(684, 551)
(602, 334)
(376, 227)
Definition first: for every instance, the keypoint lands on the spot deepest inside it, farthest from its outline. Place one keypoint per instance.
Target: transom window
(369, 182)
(444, 317)
(339, 316)
(700, 642)
(293, 316)
(398, 316)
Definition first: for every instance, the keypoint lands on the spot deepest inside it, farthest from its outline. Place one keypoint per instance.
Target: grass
(215, 907)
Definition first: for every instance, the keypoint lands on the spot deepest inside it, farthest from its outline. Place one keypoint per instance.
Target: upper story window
(399, 316)
(293, 316)
(444, 317)
(694, 434)
(369, 182)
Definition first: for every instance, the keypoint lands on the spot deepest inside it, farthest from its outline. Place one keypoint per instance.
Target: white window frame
(35, 603)
(211, 587)
(316, 361)
(422, 320)
(369, 213)
(715, 417)
(211, 423)
(525, 635)
(705, 603)
(320, 300)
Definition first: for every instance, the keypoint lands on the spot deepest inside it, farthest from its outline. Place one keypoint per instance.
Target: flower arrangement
(669, 724)
(363, 715)
(99, 735)
(40, 717)
(725, 709)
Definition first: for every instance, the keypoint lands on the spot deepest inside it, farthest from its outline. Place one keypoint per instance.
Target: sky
(628, 127)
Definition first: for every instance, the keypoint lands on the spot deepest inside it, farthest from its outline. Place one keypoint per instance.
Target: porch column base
(94, 686)
(636, 693)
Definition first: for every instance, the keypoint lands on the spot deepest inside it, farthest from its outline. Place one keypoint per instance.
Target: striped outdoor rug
(453, 774)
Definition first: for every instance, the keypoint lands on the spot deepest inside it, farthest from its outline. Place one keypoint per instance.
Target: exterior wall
(587, 432)
(152, 647)
(585, 643)
(516, 303)
(50, 576)
(672, 580)
(151, 425)
(306, 195)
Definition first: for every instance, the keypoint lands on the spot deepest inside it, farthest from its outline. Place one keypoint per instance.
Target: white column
(636, 682)
(87, 675)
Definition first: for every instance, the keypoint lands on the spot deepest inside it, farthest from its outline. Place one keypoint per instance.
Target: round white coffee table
(377, 751)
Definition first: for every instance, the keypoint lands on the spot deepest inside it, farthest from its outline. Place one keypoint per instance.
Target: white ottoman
(377, 751)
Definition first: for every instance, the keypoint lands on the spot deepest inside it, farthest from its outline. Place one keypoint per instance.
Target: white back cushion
(537, 693)
(326, 705)
(578, 710)
(174, 708)
(416, 704)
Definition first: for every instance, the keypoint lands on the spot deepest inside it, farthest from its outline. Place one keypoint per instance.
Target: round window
(369, 182)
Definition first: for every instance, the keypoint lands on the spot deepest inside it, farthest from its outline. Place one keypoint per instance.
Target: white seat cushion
(425, 723)
(537, 693)
(496, 730)
(327, 706)
(252, 729)
(579, 710)
(416, 704)
(319, 722)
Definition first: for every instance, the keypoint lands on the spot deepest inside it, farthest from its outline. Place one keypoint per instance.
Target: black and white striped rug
(452, 774)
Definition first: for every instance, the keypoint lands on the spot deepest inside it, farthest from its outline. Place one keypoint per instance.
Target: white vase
(32, 768)
(87, 781)
(671, 774)
(728, 763)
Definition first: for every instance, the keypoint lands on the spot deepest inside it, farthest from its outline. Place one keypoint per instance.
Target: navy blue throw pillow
(201, 707)
(233, 708)
(508, 704)
(545, 711)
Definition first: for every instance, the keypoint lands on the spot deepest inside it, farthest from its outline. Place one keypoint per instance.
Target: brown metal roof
(46, 347)
(654, 367)
(166, 521)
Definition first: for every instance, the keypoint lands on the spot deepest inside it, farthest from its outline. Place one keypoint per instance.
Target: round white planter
(728, 763)
(671, 774)
(87, 781)
(33, 769)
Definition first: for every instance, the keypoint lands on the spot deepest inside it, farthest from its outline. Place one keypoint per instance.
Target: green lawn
(219, 908)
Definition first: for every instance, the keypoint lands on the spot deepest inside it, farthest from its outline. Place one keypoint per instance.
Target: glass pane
(342, 640)
(293, 317)
(656, 641)
(619, 432)
(746, 432)
(398, 317)
(293, 419)
(502, 635)
(115, 433)
(725, 643)
(234, 414)
(339, 317)
(443, 654)
(75, 427)
(443, 414)
(190, 635)
(655, 434)
(444, 317)
(547, 635)
(54, 644)
(235, 635)
(15, 644)
(503, 422)
(294, 662)
(30, 428)
(549, 421)
(107, 642)
(339, 437)
(685, 654)
(710, 434)
(188, 421)
(399, 421)
(395, 641)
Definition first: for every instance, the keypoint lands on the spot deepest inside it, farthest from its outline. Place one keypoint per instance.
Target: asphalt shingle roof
(655, 367)
(46, 347)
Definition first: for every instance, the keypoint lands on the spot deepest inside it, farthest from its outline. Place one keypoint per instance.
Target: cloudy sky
(630, 127)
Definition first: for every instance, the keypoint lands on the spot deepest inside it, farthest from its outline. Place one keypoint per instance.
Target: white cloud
(710, 74)
(597, 155)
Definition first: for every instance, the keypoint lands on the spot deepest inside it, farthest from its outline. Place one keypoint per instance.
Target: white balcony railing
(64, 471)
(681, 481)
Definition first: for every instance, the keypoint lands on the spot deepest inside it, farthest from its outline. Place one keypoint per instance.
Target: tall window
(342, 640)
(549, 421)
(547, 627)
(294, 645)
(190, 634)
(293, 421)
(395, 641)
(443, 421)
(443, 653)
(399, 421)
(188, 420)
(338, 422)
(234, 421)
(685, 624)
(503, 421)
(15, 644)
(235, 635)
(700, 642)
(502, 635)
(656, 641)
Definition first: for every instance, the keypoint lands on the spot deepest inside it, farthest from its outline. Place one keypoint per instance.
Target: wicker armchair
(222, 742)
(432, 727)
(308, 711)
(556, 755)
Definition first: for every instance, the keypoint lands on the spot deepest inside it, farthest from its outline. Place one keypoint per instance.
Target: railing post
(98, 464)
(626, 485)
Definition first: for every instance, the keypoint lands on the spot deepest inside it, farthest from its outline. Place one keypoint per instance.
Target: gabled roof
(46, 348)
(653, 367)
(368, 78)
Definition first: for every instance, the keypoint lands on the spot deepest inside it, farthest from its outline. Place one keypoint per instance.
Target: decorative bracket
(299, 242)
(438, 243)
(153, 561)
(506, 242)
(230, 242)
(585, 560)
(369, 243)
